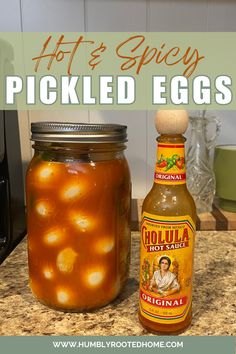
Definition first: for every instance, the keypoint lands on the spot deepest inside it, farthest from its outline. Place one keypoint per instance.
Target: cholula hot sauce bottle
(167, 234)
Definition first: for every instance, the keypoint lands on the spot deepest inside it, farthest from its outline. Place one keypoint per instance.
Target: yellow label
(166, 267)
(170, 165)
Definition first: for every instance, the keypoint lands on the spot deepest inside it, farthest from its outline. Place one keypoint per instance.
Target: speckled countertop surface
(214, 299)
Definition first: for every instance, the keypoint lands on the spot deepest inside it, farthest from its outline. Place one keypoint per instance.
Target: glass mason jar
(78, 213)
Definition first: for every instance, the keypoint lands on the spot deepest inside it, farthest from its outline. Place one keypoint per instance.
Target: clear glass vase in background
(200, 174)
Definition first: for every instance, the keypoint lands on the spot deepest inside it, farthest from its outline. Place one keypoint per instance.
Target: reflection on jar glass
(78, 211)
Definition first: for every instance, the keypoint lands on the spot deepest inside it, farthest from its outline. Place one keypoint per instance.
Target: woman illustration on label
(164, 281)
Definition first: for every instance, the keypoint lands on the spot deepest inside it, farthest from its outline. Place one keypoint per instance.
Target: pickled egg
(48, 273)
(66, 260)
(54, 236)
(95, 277)
(82, 222)
(45, 173)
(43, 208)
(63, 296)
(104, 245)
(70, 192)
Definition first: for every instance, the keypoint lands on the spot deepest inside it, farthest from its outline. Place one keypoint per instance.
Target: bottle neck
(170, 165)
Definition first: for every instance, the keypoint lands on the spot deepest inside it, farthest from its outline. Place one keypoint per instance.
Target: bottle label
(166, 267)
(170, 165)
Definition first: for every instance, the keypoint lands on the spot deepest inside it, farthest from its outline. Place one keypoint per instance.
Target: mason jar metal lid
(78, 132)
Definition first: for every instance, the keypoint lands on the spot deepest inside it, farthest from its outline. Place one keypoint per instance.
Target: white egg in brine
(66, 260)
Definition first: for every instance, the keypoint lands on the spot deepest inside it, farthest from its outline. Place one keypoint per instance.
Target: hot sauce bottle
(167, 234)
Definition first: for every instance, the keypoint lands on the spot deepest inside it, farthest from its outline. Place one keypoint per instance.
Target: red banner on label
(170, 176)
(162, 302)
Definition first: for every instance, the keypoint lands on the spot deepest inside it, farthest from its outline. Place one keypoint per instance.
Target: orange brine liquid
(78, 231)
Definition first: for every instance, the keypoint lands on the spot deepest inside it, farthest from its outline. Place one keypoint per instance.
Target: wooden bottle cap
(171, 121)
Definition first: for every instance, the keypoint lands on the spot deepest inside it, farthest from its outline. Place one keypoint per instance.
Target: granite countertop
(214, 300)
